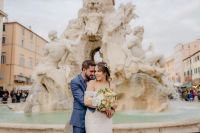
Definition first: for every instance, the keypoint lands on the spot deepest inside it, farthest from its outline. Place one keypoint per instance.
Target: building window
(3, 40)
(23, 31)
(22, 43)
(188, 72)
(21, 60)
(3, 58)
(30, 46)
(4, 27)
(31, 35)
(30, 62)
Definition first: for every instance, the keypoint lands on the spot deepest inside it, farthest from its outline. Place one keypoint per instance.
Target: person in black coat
(18, 96)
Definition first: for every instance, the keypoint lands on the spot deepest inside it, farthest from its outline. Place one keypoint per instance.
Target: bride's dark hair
(102, 66)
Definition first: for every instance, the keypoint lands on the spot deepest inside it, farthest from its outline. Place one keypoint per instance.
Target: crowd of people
(191, 94)
(16, 96)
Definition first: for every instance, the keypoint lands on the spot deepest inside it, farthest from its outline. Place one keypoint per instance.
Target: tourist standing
(18, 96)
(12, 95)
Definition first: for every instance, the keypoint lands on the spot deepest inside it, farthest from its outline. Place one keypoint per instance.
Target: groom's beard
(89, 77)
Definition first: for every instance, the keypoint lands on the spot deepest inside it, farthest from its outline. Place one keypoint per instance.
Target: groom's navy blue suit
(78, 87)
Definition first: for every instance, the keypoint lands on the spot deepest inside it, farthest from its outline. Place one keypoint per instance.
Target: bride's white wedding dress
(97, 122)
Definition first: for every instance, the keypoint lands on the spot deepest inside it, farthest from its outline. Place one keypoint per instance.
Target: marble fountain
(137, 74)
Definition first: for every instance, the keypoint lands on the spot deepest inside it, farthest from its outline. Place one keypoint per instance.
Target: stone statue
(52, 74)
(152, 58)
(114, 37)
(55, 54)
(135, 42)
(92, 16)
(74, 30)
(53, 36)
(92, 23)
(100, 26)
(93, 5)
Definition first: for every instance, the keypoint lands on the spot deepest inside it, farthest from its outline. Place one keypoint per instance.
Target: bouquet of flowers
(105, 99)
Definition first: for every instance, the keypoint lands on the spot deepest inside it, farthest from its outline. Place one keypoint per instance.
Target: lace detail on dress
(96, 100)
(89, 94)
(96, 122)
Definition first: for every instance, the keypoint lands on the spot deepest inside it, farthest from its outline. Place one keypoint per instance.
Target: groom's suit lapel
(82, 82)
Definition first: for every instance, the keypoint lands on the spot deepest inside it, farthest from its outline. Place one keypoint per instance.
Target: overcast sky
(166, 22)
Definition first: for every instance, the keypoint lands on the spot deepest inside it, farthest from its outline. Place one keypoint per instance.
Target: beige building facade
(2, 16)
(170, 68)
(178, 63)
(21, 51)
(184, 65)
(191, 60)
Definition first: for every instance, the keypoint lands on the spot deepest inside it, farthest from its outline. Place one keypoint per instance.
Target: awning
(23, 87)
(20, 78)
(177, 84)
(186, 85)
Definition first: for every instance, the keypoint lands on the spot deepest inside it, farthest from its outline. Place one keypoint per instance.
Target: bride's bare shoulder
(91, 84)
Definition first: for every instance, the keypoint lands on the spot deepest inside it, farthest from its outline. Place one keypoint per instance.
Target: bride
(96, 121)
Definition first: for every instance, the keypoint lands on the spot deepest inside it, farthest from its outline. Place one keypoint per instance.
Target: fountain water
(138, 75)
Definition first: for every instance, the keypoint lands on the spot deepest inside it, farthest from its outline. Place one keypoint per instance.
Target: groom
(78, 87)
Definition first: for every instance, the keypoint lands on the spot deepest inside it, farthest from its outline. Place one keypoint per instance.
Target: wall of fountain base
(161, 127)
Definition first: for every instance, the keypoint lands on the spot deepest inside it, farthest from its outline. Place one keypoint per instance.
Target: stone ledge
(156, 124)
(164, 127)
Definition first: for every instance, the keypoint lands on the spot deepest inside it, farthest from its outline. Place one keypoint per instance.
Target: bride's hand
(115, 106)
(109, 113)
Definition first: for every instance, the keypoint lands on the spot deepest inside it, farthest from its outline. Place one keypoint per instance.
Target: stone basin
(181, 117)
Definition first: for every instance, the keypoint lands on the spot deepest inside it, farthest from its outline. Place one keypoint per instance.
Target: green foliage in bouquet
(108, 99)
